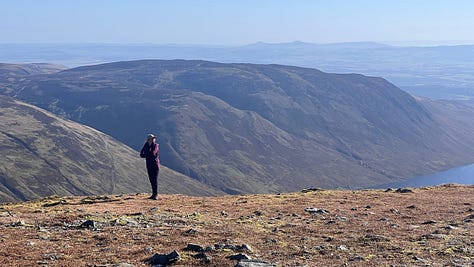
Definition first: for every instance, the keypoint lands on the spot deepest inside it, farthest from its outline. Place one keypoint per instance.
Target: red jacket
(150, 152)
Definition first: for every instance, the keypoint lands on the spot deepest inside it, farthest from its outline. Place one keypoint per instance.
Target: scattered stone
(164, 259)
(392, 210)
(61, 202)
(224, 213)
(148, 249)
(88, 224)
(52, 256)
(18, 224)
(376, 238)
(415, 258)
(116, 265)
(239, 257)
(342, 219)
(450, 227)
(202, 256)
(194, 247)
(430, 222)
(312, 210)
(273, 241)
(342, 248)
(230, 247)
(368, 207)
(191, 232)
(311, 189)
(254, 263)
(411, 207)
(258, 213)
(470, 217)
(244, 247)
(404, 190)
(357, 258)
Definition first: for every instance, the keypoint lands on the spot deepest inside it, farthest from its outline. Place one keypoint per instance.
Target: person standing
(150, 152)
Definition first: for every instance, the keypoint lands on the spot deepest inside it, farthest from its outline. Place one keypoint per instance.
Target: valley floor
(432, 226)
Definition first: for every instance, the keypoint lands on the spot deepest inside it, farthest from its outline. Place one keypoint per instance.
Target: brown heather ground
(430, 227)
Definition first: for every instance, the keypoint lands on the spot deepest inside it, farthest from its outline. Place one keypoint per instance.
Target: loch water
(458, 175)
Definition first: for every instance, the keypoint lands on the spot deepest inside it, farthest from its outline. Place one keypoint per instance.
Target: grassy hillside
(44, 155)
(244, 128)
(426, 227)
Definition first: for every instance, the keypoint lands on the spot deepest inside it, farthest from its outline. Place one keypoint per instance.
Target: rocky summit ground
(431, 226)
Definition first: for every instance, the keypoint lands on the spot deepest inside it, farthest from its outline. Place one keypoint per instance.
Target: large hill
(259, 128)
(440, 72)
(45, 155)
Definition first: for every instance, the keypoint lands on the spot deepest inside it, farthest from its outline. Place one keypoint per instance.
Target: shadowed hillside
(259, 128)
(44, 155)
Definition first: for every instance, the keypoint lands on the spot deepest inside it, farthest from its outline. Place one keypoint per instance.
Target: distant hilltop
(430, 71)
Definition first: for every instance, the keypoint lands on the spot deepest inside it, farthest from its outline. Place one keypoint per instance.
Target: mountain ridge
(249, 128)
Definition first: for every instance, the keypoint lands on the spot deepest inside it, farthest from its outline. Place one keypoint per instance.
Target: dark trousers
(153, 176)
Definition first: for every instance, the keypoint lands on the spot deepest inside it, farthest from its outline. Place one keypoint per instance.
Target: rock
(415, 258)
(202, 256)
(388, 190)
(450, 227)
(411, 207)
(316, 210)
(62, 201)
(430, 222)
(239, 257)
(258, 213)
(470, 217)
(164, 259)
(254, 263)
(229, 246)
(218, 246)
(194, 247)
(116, 265)
(311, 189)
(88, 224)
(17, 224)
(404, 190)
(244, 247)
(52, 256)
(224, 213)
(342, 248)
(191, 232)
(376, 238)
(357, 258)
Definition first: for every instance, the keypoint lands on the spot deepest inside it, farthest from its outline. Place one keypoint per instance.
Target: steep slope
(44, 155)
(257, 128)
(16, 70)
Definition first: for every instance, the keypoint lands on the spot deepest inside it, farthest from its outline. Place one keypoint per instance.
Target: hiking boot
(153, 197)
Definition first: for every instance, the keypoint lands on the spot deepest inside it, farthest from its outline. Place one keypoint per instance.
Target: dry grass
(432, 226)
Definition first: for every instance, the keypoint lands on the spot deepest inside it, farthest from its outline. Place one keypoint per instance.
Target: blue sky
(235, 22)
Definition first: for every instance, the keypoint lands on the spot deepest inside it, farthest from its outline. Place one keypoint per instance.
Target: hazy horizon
(185, 22)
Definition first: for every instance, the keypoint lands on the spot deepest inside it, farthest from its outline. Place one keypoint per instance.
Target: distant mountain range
(44, 155)
(247, 128)
(439, 72)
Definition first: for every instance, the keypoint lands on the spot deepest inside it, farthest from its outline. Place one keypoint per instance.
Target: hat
(150, 136)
